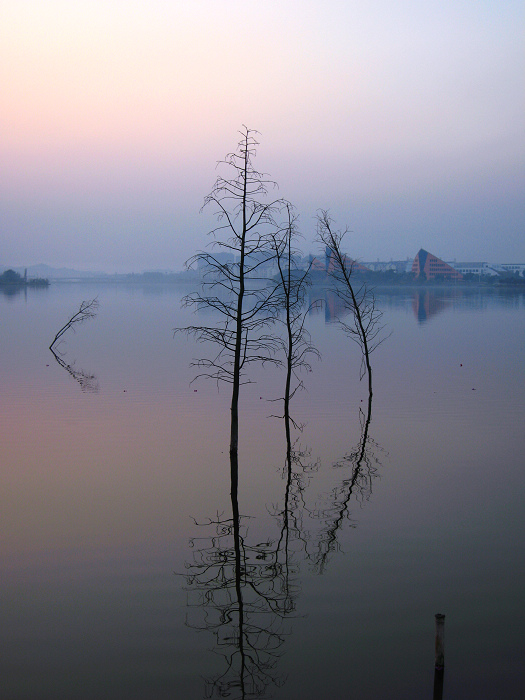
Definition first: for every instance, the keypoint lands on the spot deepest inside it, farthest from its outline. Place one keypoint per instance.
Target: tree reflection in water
(363, 462)
(245, 593)
(88, 382)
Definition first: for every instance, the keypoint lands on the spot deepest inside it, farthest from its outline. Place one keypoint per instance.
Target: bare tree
(292, 284)
(234, 281)
(357, 298)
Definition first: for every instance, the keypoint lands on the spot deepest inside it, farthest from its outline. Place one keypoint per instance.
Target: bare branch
(88, 309)
(366, 328)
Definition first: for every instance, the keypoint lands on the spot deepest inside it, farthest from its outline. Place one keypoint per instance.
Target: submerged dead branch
(87, 310)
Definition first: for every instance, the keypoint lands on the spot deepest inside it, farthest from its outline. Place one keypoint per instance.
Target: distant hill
(54, 273)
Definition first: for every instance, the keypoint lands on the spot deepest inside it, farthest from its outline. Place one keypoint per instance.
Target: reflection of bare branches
(296, 473)
(88, 382)
(87, 310)
(364, 463)
(242, 593)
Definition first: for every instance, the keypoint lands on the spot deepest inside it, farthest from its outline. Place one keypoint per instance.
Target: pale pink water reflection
(99, 492)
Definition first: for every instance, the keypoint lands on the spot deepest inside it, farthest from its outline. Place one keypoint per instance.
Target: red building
(426, 264)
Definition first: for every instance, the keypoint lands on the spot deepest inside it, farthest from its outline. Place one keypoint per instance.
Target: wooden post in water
(439, 665)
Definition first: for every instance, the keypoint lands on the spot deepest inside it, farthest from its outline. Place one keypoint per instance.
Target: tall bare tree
(234, 273)
(366, 328)
(292, 284)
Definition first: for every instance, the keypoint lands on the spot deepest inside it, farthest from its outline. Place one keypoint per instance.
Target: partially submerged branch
(88, 309)
(88, 382)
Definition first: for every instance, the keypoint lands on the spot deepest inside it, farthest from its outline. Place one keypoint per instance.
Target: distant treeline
(393, 278)
(12, 278)
(389, 278)
(376, 278)
(160, 276)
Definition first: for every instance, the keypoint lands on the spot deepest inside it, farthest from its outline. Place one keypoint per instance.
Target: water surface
(116, 512)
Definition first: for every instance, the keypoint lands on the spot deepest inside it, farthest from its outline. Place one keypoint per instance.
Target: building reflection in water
(427, 304)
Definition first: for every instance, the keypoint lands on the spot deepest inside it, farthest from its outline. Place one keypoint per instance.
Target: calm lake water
(117, 559)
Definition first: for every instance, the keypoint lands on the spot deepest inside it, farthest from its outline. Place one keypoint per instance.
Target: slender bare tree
(366, 328)
(235, 282)
(292, 284)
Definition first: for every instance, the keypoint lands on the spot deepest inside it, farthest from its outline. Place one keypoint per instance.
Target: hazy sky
(405, 118)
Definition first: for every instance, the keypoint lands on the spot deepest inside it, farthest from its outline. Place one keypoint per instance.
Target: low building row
(424, 266)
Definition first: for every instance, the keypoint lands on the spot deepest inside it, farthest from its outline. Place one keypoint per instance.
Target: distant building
(398, 266)
(509, 268)
(428, 266)
(473, 268)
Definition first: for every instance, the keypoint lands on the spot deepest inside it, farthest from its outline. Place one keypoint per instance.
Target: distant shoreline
(183, 279)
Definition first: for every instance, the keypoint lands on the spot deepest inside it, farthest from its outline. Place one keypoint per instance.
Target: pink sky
(405, 119)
